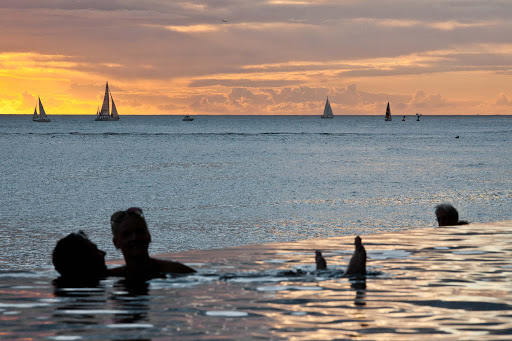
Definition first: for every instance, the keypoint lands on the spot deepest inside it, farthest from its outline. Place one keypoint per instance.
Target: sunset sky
(257, 56)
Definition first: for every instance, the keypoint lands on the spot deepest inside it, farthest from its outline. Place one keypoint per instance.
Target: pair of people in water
(79, 260)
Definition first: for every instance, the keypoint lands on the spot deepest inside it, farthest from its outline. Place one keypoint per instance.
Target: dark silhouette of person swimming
(321, 264)
(447, 215)
(131, 235)
(78, 261)
(357, 265)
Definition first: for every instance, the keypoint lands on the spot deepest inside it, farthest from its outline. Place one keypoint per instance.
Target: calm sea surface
(224, 181)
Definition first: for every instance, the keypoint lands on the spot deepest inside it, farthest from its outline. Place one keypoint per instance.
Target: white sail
(42, 114)
(105, 107)
(114, 110)
(327, 110)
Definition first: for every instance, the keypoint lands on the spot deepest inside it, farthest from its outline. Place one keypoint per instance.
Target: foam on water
(227, 313)
(129, 325)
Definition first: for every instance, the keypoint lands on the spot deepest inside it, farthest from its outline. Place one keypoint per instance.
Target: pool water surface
(424, 284)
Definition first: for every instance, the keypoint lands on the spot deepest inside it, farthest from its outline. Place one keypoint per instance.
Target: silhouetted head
(357, 264)
(130, 232)
(446, 215)
(358, 242)
(76, 258)
(321, 264)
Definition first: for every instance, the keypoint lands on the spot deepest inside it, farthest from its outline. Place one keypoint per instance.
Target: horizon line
(319, 115)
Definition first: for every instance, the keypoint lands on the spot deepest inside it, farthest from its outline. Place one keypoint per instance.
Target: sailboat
(327, 110)
(106, 114)
(388, 114)
(42, 114)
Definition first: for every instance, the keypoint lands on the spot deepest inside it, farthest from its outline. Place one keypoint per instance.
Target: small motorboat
(187, 118)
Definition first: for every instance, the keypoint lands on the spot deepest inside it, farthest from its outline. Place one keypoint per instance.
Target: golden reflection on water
(442, 283)
(425, 284)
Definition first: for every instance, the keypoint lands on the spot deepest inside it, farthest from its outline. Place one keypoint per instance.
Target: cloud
(269, 55)
(240, 83)
(503, 100)
(193, 28)
(210, 104)
(244, 98)
(27, 100)
(449, 25)
(423, 100)
(310, 101)
(300, 94)
(169, 107)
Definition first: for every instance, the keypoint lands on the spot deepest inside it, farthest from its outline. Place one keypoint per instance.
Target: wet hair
(451, 213)
(358, 242)
(118, 217)
(71, 256)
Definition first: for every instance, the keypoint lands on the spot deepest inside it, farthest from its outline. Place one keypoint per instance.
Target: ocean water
(222, 181)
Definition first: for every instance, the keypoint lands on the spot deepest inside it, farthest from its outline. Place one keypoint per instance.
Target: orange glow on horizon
(69, 86)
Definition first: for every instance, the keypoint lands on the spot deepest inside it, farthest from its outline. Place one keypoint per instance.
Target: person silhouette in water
(447, 215)
(132, 237)
(78, 261)
(357, 265)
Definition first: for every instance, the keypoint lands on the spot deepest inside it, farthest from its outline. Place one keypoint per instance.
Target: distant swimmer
(357, 265)
(321, 264)
(447, 215)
